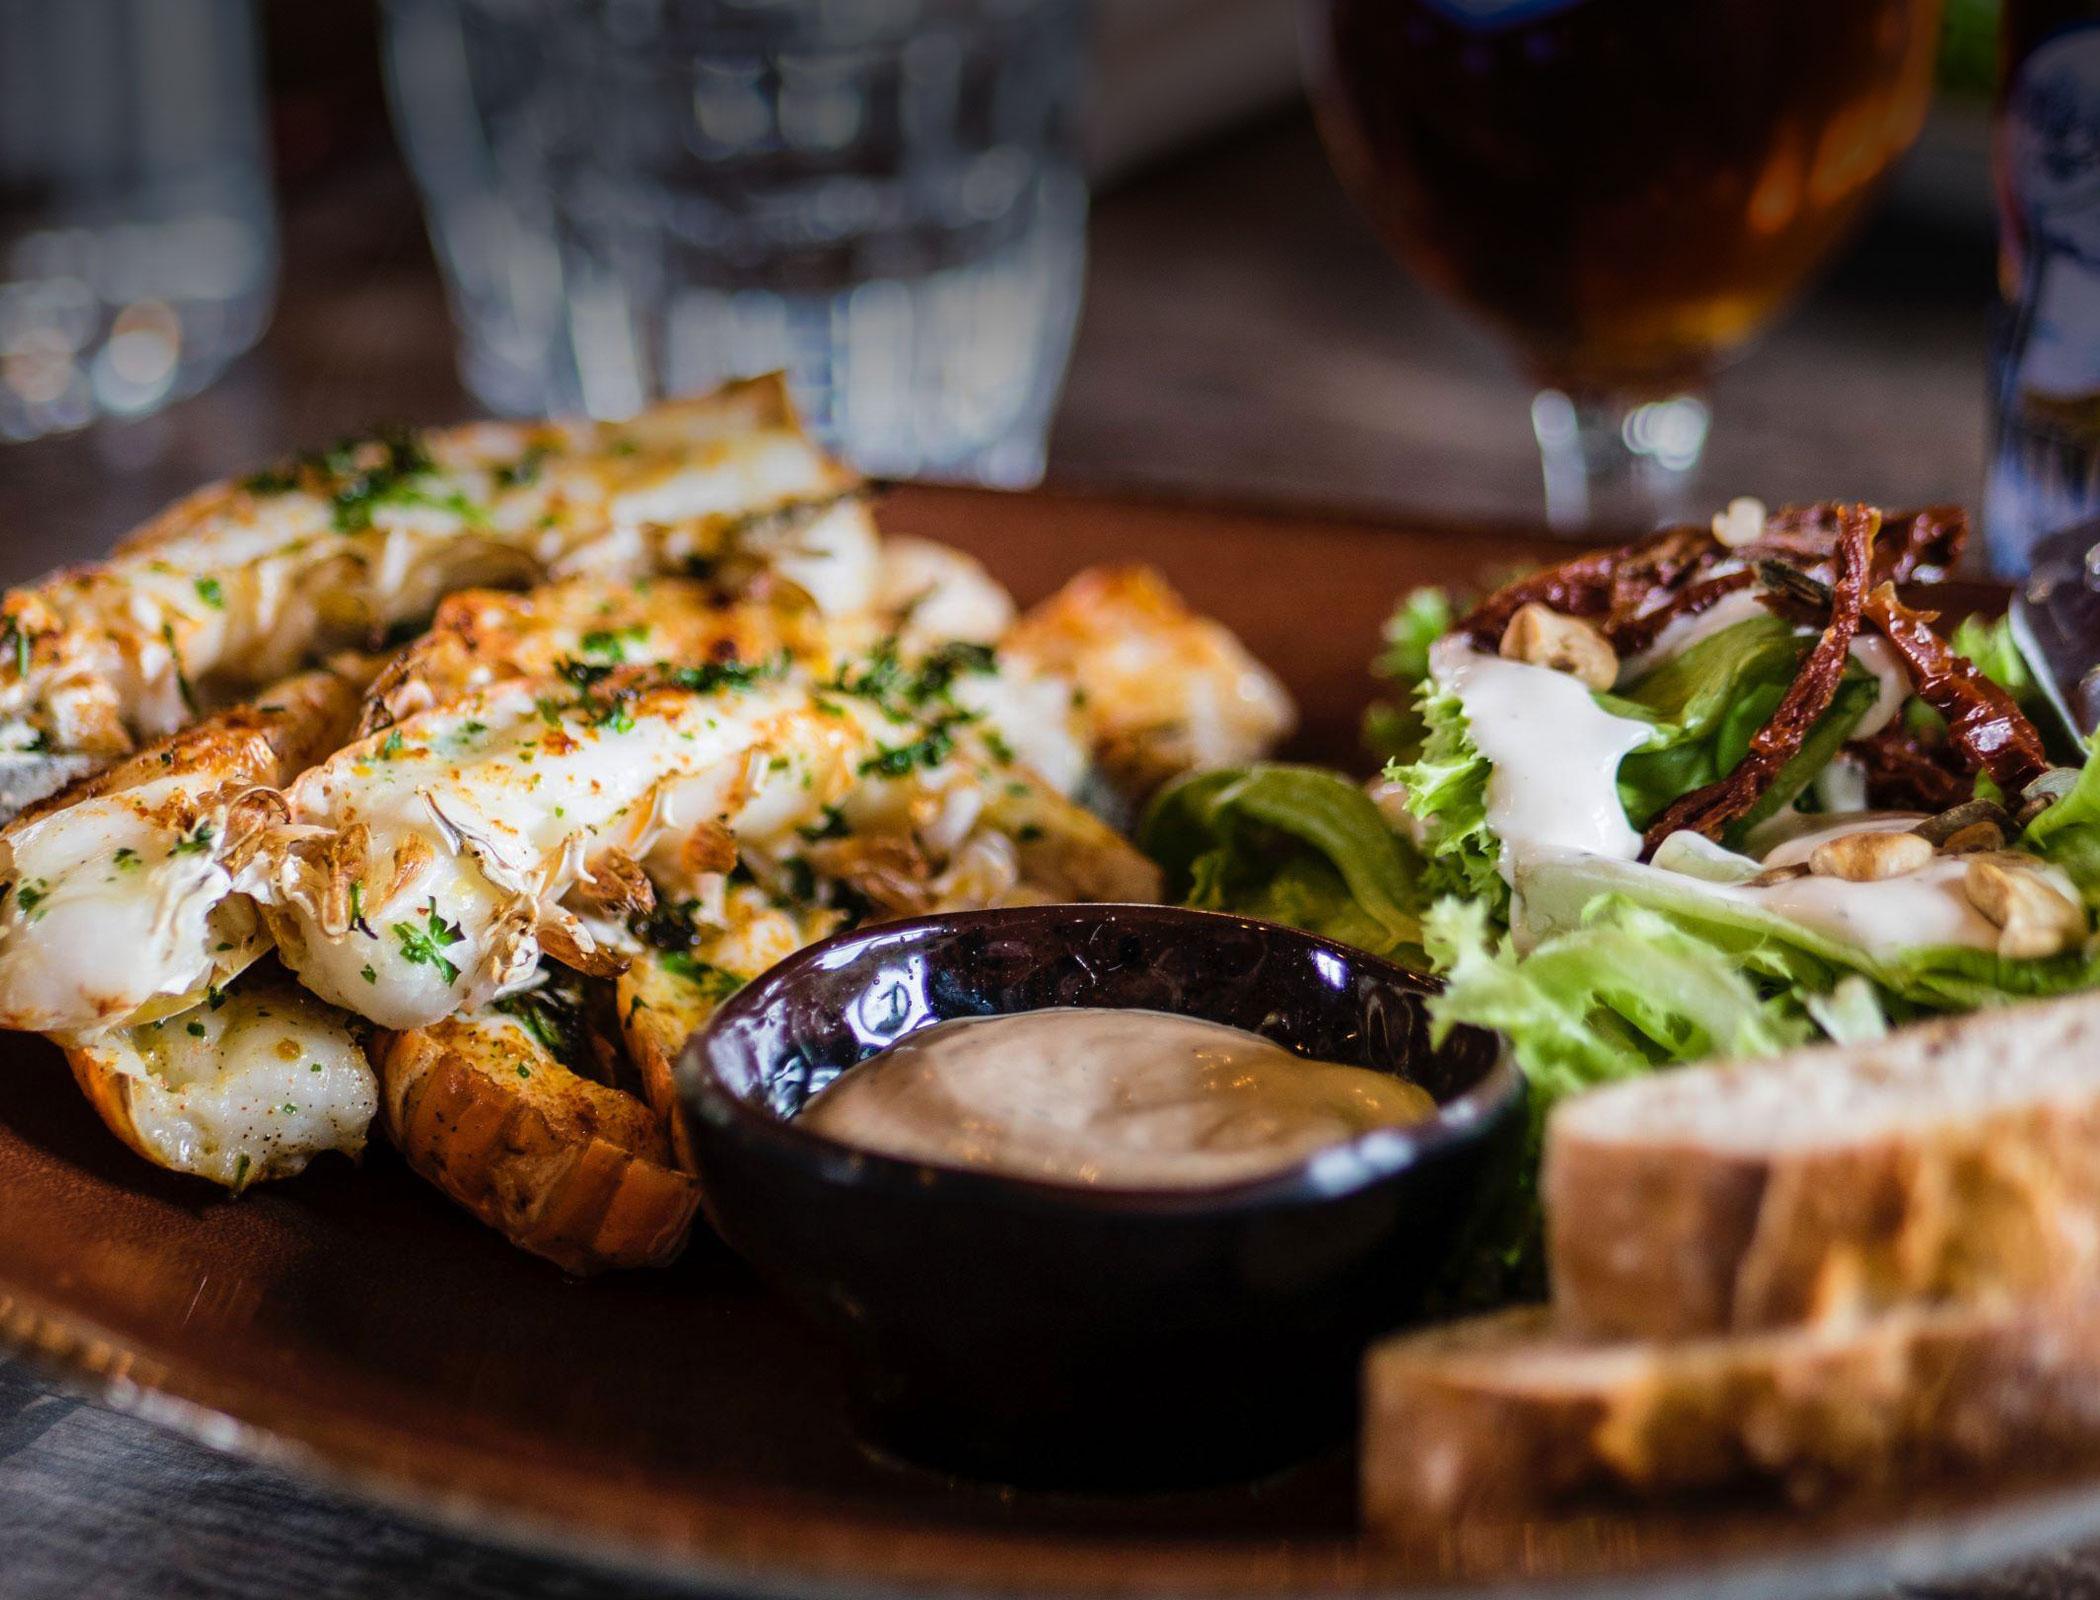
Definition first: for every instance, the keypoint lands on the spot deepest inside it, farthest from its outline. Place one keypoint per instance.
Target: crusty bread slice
(1955, 1161)
(1501, 1420)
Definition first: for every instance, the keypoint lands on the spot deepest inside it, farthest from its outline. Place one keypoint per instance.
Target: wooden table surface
(1243, 339)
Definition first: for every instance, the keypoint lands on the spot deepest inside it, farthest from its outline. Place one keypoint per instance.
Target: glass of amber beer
(1629, 189)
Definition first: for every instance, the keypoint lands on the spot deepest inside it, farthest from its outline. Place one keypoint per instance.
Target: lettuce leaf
(1988, 644)
(1622, 992)
(2067, 834)
(1297, 845)
(1446, 790)
(1708, 702)
(1393, 728)
(1558, 895)
(1616, 997)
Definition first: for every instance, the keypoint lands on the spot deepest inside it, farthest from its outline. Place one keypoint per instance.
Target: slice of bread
(1501, 1420)
(1954, 1161)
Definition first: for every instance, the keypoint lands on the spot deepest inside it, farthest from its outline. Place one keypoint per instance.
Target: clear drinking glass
(138, 245)
(636, 198)
(1628, 189)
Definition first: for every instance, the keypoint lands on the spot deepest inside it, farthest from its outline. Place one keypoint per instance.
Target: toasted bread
(1940, 1163)
(1503, 1420)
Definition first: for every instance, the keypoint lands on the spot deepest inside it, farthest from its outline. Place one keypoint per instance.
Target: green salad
(1718, 793)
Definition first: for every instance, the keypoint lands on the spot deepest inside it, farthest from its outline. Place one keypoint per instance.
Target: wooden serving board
(354, 1326)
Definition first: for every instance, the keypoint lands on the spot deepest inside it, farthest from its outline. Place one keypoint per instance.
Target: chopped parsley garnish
(930, 749)
(16, 637)
(525, 470)
(958, 658)
(881, 677)
(612, 643)
(832, 827)
(714, 676)
(884, 678)
(390, 746)
(551, 1017)
(29, 894)
(667, 926)
(182, 678)
(369, 976)
(715, 984)
(271, 480)
(195, 1030)
(583, 674)
(357, 909)
(357, 476)
(127, 859)
(240, 1172)
(1002, 752)
(195, 842)
(426, 946)
(212, 593)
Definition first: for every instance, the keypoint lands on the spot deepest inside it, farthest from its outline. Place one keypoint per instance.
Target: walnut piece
(1869, 857)
(1543, 637)
(1742, 523)
(2033, 916)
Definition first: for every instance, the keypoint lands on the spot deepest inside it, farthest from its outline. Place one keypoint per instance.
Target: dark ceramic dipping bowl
(1031, 1332)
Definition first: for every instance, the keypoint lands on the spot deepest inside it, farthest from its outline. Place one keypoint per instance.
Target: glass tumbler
(138, 243)
(639, 198)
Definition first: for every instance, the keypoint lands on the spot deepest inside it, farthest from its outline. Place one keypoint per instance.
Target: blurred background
(338, 213)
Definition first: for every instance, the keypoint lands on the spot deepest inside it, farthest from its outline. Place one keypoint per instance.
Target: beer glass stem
(1613, 463)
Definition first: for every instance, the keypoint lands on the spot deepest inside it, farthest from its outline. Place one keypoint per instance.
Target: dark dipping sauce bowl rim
(1078, 1336)
(1375, 1155)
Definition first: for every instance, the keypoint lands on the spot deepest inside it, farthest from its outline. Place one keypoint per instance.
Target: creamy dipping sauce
(1117, 1099)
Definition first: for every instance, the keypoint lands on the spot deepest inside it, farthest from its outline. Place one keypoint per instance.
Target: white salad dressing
(1555, 753)
(1682, 633)
(1920, 909)
(1879, 657)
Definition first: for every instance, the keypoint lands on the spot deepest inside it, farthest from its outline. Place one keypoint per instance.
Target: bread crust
(1667, 1236)
(1502, 1420)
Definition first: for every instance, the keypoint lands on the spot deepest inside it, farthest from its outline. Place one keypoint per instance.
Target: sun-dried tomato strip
(1603, 586)
(1904, 773)
(1711, 809)
(1635, 591)
(1984, 727)
(1913, 546)
(1641, 632)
